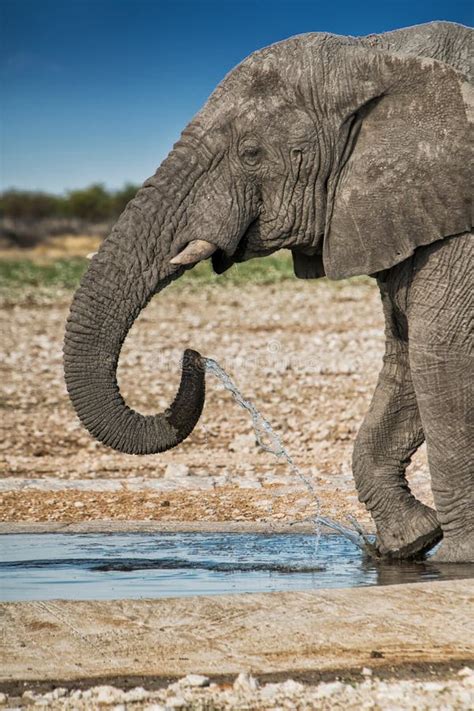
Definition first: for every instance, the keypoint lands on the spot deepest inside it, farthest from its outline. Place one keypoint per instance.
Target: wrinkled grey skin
(353, 153)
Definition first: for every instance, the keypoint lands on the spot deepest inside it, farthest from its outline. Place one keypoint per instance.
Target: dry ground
(306, 353)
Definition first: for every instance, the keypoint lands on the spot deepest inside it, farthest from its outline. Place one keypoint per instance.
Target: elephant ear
(403, 177)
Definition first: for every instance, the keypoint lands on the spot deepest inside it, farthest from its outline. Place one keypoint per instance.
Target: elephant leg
(442, 363)
(443, 381)
(389, 436)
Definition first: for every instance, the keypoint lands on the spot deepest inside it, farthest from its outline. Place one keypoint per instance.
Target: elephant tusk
(194, 252)
(90, 255)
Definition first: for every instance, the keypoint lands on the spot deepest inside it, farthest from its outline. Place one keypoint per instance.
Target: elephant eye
(250, 154)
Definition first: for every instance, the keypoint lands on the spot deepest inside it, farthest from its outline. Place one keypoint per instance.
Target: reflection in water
(396, 572)
(97, 566)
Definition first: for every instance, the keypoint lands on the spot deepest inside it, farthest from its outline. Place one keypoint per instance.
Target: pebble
(136, 694)
(194, 680)
(107, 694)
(28, 694)
(176, 471)
(330, 688)
(243, 443)
(454, 694)
(245, 682)
(176, 702)
(290, 686)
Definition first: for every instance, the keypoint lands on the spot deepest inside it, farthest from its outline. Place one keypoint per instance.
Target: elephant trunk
(132, 265)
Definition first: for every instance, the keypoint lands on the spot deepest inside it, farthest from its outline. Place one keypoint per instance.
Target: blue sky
(99, 90)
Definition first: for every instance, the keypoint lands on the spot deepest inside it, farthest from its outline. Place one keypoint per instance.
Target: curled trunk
(130, 267)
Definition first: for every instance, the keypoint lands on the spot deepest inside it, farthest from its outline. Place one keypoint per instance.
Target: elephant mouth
(248, 247)
(307, 258)
(222, 261)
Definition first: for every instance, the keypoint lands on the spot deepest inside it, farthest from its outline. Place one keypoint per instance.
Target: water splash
(269, 441)
(267, 438)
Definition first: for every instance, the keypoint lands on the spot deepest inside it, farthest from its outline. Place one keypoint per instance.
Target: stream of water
(271, 442)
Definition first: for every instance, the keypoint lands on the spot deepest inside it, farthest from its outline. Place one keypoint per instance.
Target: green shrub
(92, 204)
(28, 205)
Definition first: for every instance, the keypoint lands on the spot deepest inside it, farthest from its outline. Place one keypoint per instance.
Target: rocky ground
(196, 693)
(306, 353)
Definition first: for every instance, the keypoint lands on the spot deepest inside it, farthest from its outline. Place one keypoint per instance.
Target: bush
(92, 204)
(30, 205)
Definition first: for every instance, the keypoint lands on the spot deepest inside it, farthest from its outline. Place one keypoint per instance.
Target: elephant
(352, 153)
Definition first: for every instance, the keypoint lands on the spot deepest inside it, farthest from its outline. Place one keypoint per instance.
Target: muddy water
(111, 566)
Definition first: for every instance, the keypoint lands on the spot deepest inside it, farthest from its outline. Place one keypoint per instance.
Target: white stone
(433, 686)
(466, 700)
(366, 671)
(269, 690)
(194, 680)
(466, 671)
(55, 694)
(290, 686)
(175, 702)
(3, 698)
(468, 680)
(328, 689)
(59, 692)
(245, 682)
(176, 471)
(136, 694)
(108, 695)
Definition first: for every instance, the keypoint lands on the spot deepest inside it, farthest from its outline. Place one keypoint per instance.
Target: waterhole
(136, 565)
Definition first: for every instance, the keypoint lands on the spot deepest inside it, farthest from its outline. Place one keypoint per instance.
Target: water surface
(153, 565)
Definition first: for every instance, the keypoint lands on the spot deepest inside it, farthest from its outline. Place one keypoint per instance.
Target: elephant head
(349, 156)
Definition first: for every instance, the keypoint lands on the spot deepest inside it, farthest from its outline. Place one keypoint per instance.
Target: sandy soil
(306, 353)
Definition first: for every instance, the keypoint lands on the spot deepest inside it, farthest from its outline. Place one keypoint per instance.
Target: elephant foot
(411, 535)
(455, 550)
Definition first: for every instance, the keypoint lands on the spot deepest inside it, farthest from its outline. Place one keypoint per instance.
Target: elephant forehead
(271, 122)
(263, 83)
(260, 85)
